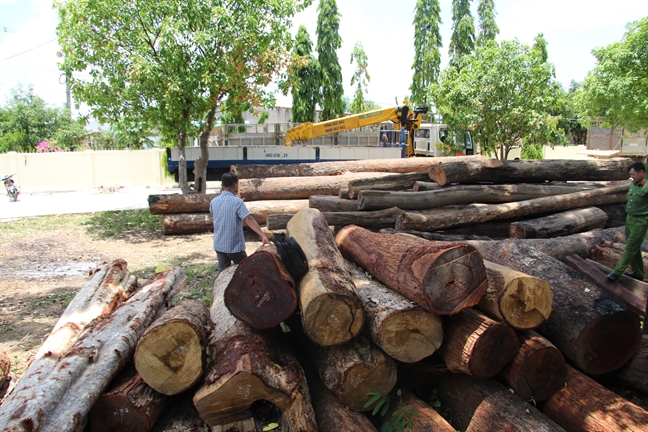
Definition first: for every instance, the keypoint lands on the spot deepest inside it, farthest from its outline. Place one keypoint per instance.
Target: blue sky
(572, 29)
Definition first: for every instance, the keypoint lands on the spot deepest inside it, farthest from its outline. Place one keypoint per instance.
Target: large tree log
(247, 365)
(475, 405)
(436, 236)
(638, 288)
(522, 301)
(331, 312)
(421, 186)
(5, 367)
(616, 215)
(422, 416)
(609, 254)
(588, 326)
(130, 406)
(388, 183)
(538, 370)
(518, 209)
(585, 405)
(378, 218)
(560, 224)
(477, 345)
(180, 203)
(405, 331)
(442, 278)
(635, 373)
(53, 403)
(325, 203)
(262, 292)
(170, 355)
(531, 171)
(457, 195)
(285, 188)
(340, 167)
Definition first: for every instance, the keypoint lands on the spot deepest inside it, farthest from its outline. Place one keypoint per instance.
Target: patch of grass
(26, 227)
(131, 225)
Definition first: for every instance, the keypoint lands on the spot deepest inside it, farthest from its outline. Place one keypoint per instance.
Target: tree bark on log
(616, 215)
(331, 312)
(635, 373)
(131, 406)
(538, 370)
(435, 236)
(422, 186)
(5, 367)
(560, 224)
(170, 355)
(532, 171)
(477, 345)
(522, 301)
(262, 292)
(385, 218)
(589, 327)
(53, 403)
(609, 254)
(344, 193)
(638, 288)
(325, 203)
(442, 278)
(406, 332)
(247, 365)
(424, 419)
(286, 188)
(408, 221)
(339, 167)
(476, 405)
(585, 405)
(180, 203)
(247, 425)
(457, 195)
(392, 182)
(449, 172)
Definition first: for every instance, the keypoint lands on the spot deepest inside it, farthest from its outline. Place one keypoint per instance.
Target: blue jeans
(225, 259)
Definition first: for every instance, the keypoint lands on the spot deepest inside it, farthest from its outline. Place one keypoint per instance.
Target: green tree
(616, 91)
(505, 94)
(488, 29)
(540, 46)
(462, 41)
(171, 63)
(427, 50)
(360, 78)
(306, 79)
(328, 42)
(569, 120)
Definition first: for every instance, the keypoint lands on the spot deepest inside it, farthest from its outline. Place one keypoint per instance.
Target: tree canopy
(360, 78)
(616, 91)
(488, 28)
(427, 49)
(306, 79)
(462, 41)
(171, 63)
(328, 42)
(505, 94)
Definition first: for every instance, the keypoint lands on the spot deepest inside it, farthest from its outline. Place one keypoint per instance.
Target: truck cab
(430, 138)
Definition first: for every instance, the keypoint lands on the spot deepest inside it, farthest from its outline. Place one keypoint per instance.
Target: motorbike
(11, 186)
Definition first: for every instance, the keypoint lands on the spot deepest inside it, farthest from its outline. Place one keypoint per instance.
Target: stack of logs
(498, 333)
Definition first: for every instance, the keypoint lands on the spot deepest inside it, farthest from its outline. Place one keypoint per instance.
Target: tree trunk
(635, 373)
(531, 171)
(591, 329)
(522, 301)
(325, 203)
(247, 365)
(182, 160)
(560, 224)
(585, 405)
(180, 203)
(53, 403)
(285, 188)
(616, 215)
(377, 218)
(406, 332)
(477, 345)
(344, 193)
(609, 254)
(435, 236)
(5, 367)
(457, 195)
(200, 164)
(512, 210)
(131, 406)
(442, 278)
(170, 355)
(353, 370)
(392, 182)
(475, 405)
(340, 167)
(421, 186)
(331, 312)
(261, 292)
(538, 370)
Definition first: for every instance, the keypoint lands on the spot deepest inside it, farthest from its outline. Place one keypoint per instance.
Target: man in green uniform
(636, 224)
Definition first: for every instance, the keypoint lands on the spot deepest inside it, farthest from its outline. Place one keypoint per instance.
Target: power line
(30, 49)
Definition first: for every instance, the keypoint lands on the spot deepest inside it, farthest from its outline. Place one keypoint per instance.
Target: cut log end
(411, 336)
(457, 282)
(437, 173)
(608, 342)
(113, 412)
(526, 302)
(361, 379)
(499, 339)
(332, 319)
(170, 358)
(542, 375)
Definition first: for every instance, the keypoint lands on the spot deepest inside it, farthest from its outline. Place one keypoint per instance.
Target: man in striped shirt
(228, 213)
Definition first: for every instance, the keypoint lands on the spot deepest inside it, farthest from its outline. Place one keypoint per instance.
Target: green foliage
(381, 402)
(488, 28)
(306, 79)
(569, 120)
(617, 89)
(132, 224)
(400, 420)
(328, 42)
(462, 41)
(427, 50)
(506, 95)
(360, 77)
